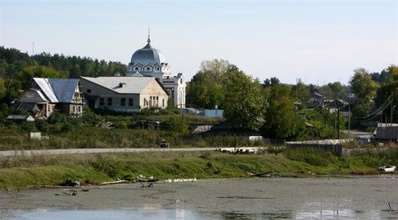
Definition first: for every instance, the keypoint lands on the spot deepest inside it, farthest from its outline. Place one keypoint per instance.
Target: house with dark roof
(316, 101)
(124, 94)
(43, 96)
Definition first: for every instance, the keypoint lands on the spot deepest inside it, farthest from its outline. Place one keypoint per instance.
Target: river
(345, 197)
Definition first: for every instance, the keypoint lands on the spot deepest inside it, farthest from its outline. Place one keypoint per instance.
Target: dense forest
(17, 69)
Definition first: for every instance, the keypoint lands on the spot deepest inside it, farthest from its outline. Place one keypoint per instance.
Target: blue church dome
(148, 55)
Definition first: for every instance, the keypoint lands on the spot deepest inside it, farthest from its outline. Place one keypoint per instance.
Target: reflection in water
(67, 214)
(242, 216)
(308, 211)
(307, 215)
(329, 208)
(335, 209)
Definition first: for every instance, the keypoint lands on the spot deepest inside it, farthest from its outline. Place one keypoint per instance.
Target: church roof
(148, 55)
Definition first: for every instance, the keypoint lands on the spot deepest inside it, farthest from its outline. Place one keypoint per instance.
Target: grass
(114, 138)
(23, 171)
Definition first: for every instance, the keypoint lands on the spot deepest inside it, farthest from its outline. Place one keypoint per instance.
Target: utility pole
(349, 119)
(338, 123)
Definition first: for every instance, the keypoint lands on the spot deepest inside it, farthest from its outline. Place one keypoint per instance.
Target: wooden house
(43, 96)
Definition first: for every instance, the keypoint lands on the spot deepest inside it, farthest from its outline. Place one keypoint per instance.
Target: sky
(312, 41)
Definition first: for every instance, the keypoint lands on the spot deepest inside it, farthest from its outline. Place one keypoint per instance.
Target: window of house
(148, 68)
(109, 101)
(136, 68)
(162, 102)
(102, 101)
(123, 101)
(131, 102)
(88, 90)
(34, 85)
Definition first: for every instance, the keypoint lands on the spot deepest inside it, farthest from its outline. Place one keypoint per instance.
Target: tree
(389, 89)
(364, 89)
(383, 77)
(281, 119)
(206, 89)
(244, 101)
(3, 89)
(301, 93)
(29, 72)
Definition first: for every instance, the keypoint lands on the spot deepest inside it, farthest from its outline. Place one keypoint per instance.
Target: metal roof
(45, 86)
(58, 90)
(126, 85)
(148, 55)
(21, 117)
(64, 89)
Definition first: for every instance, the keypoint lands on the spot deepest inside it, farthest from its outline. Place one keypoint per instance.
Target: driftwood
(265, 174)
(145, 186)
(70, 192)
(114, 182)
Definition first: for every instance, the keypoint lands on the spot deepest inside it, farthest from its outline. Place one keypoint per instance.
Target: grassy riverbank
(39, 170)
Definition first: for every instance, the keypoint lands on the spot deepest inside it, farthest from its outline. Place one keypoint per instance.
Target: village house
(316, 101)
(43, 96)
(124, 94)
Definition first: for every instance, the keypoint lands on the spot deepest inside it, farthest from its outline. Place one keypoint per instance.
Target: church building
(151, 62)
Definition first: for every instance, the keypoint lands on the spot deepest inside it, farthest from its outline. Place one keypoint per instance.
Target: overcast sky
(316, 41)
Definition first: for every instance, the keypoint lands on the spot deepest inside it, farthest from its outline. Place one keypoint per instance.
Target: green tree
(206, 89)
(281, 119)
(324, 122)
(244, 101)
(389, 89)
(3, 89)
(301, 93)
(177, 125)
(383, 77)
(30, 72)
(365, 90)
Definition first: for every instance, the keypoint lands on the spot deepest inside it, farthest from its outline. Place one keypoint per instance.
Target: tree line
(18, 68)
(276, 109)
(281, 110)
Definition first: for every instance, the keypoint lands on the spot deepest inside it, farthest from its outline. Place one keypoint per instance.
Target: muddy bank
(373, 196)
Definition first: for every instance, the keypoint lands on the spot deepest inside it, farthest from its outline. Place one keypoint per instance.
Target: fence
(333, 146)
